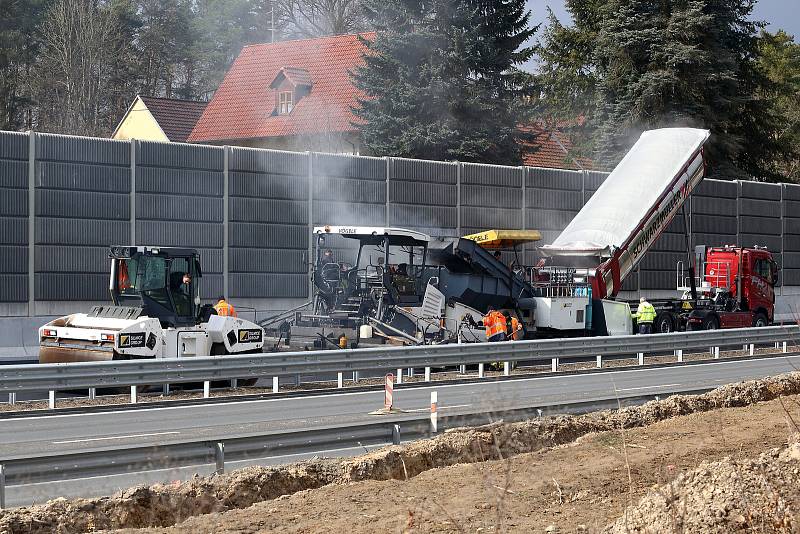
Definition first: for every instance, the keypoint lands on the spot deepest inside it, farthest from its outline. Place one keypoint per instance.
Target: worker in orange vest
(224, 308)
(495, 324)
(514, 329)
(123, 281)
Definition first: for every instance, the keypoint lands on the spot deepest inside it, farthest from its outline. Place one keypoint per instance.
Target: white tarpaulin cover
(629, 193)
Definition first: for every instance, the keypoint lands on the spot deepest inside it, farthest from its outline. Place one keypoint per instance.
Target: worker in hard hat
(495, 324)
(224, 308)
(645, 316)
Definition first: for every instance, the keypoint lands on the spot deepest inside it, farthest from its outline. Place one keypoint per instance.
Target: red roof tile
(549, 149)
(176, 117)
(293, 74)
(243, 106)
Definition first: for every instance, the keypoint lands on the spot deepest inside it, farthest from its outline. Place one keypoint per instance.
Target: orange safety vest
(122, 278)
(516, 331)
(495, 323)
(224, 309)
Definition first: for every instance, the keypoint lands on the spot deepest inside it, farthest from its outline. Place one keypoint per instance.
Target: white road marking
(442, 386)
(647, 387)
(114, 437)
(440, 408)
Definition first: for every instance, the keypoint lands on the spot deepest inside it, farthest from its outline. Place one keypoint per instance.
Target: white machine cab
(156, 313)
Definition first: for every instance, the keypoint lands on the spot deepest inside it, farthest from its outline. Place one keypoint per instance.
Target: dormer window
(291, 84)
(284, 102)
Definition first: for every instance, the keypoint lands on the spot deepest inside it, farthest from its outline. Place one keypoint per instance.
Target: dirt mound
(164, 505)
(726, 496)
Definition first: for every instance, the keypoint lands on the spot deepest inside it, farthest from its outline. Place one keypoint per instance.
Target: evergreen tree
(667, 63)
(440, 80)
(19, 46)
(779, 60)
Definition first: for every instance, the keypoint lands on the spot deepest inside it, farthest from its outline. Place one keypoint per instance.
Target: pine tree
(19, 46)
(668, 63)
(779, 60)
(440, 80)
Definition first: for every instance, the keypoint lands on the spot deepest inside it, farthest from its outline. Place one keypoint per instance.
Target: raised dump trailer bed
(633, 206)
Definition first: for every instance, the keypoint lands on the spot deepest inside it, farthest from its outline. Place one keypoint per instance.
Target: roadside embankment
(166, 505)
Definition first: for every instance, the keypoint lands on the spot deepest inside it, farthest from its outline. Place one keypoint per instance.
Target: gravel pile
(165, 505)
(760, 495)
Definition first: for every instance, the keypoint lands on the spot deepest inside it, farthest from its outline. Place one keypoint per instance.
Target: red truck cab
(736, 289)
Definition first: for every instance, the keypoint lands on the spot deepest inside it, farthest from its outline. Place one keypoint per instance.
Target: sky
(779, 14)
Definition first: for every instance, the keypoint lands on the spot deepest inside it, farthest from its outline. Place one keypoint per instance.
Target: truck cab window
(763, 269)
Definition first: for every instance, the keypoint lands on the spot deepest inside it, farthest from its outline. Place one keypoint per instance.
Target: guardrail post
(752, 349)
(51, 399)
(641, 358)
(275, 384)
(554, 365)
(339, 380)
(434, 412)
(395, 434)
(12, 398)
(206, 389)
(219, 456)
(134, 395)
(599, 361)
(355, 377)
(427, 374)
(506, 368)
(679, 354)
(2, 486)
(784, 346)
(92, 393)
(165, 390)
(399, 376)
(480, 370)
(410, 372)
(462, 369)
(716, 352)
(234, 383)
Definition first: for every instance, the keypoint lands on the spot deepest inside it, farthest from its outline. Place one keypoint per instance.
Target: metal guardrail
(53, 377)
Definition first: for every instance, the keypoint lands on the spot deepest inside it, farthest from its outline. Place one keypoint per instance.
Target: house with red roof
(298, 95)
(159, 119)
(289, 95)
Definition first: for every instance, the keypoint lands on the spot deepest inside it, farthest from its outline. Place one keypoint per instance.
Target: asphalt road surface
(151, 426)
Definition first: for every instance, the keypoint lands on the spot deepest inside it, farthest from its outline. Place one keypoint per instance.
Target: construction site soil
(716, 462)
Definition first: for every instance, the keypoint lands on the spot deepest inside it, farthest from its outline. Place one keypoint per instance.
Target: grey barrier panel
(790, 272)
(348, 190)
(13, 217)
(552, 199)
(82, 205)
(491, 197)
(423, 195)
(268, 229)
(179, 203)
(592, 180)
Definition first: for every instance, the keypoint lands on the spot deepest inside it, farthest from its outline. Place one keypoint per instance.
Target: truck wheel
(711, 323)
(664, 324)
(760, 320)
